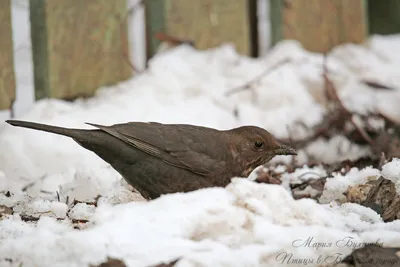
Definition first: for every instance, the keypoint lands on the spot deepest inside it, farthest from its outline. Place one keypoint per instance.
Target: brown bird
(160, 158)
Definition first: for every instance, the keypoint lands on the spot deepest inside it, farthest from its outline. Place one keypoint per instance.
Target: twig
(79, 221)
(382, 160)
(12, 110)
(30, 218)
(334, 121)
(248, 85)
(362, 131)
(46, 192)
(332, 92)
(169, 264)
(94, 203)
(376, 85)
(26, 187)
(310, 172)
(330, 88)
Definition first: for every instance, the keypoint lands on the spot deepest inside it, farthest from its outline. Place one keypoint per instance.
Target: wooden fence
(80, 45)
(7, 77)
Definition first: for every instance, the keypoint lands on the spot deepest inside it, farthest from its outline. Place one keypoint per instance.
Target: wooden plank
(208, 23)
(384, 16)
(275, 15)
(78, 46)
(155, 22)
(7, 76)
(319, 25)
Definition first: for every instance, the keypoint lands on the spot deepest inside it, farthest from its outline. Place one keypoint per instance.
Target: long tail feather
(73, 133)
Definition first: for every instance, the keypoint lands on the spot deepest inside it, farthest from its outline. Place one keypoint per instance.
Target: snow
(244, 224)
(391, 171)
(336, 186)
(342, 149)
(82, 211)
(39, 207)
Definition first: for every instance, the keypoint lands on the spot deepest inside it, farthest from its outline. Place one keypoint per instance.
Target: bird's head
(255, 146)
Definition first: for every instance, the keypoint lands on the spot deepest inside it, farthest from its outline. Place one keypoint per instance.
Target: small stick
(256, 79)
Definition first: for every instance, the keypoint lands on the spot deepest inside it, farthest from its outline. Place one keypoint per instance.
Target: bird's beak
(285, 150)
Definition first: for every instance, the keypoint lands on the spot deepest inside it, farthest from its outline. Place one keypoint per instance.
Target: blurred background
(67, 49)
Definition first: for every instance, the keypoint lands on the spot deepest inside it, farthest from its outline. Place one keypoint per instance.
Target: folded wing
(183, 146)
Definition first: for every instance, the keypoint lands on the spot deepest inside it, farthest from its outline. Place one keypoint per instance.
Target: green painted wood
(275, 14)
(78, 46)
(7, 76)
(155, 22)
(384, 16)
(208, 23)
(319, 25)
(39, 49)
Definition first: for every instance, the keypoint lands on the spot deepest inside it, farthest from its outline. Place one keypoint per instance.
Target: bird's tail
(73, 133)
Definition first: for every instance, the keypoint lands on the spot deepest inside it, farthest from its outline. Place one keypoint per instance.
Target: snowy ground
(245, 224)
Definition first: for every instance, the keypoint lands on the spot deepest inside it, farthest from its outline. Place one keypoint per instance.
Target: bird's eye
(258, 144)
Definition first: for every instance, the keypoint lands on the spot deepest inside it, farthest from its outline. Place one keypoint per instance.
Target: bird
(158, 159)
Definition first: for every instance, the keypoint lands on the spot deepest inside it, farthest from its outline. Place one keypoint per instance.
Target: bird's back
(189, 157)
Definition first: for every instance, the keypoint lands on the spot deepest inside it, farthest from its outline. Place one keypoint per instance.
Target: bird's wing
(178, 145)
(198, 162)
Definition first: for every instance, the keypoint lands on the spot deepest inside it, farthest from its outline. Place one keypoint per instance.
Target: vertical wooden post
(207, 23)
(155, 22)
(7, 76)
(319, 25)
(384, 16)
(78, 46)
